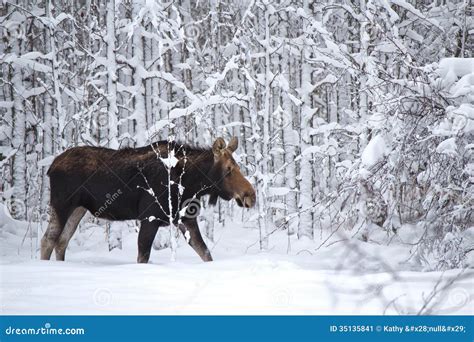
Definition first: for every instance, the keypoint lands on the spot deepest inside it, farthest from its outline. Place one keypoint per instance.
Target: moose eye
(228, 171)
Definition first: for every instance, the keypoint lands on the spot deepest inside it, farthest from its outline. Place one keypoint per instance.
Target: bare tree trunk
(139, 112)
(306, 172)
(19, 165)
(112, 110)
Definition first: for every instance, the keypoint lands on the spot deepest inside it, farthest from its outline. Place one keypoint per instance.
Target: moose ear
(218, 146)
(233, 144)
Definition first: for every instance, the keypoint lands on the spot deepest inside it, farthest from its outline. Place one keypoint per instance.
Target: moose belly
(115, 206)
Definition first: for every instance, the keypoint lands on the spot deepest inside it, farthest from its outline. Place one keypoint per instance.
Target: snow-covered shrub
(430, 166)
(416, 168)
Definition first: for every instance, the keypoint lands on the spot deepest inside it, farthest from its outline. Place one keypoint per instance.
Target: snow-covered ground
(355, 278)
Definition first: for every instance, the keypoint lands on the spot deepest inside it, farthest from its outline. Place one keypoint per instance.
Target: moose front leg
(190, 230)
(146, 235)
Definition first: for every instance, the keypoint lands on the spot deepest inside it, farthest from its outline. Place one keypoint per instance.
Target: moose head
(229, 181)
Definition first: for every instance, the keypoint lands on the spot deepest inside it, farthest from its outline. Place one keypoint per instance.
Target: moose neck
(199, 176)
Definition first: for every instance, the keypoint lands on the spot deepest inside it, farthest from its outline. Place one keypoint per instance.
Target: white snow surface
(355, 278)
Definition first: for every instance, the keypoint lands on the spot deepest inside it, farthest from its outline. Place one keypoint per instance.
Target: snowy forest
(355, 117)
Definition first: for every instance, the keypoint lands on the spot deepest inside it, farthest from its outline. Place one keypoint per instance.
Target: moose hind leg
(190, 230)
(146, 235)
(51, 236)
(68, 232)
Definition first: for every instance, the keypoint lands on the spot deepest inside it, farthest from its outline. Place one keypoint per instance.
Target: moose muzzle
(246, 199)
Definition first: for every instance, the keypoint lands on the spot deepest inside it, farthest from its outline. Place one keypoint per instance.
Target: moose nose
(249, 200)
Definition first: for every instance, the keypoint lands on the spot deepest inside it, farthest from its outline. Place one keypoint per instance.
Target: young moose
(144, 182)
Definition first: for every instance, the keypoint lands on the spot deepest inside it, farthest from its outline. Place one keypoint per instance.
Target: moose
(159, 184)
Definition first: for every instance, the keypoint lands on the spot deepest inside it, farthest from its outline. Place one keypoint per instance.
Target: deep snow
(356, 278)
